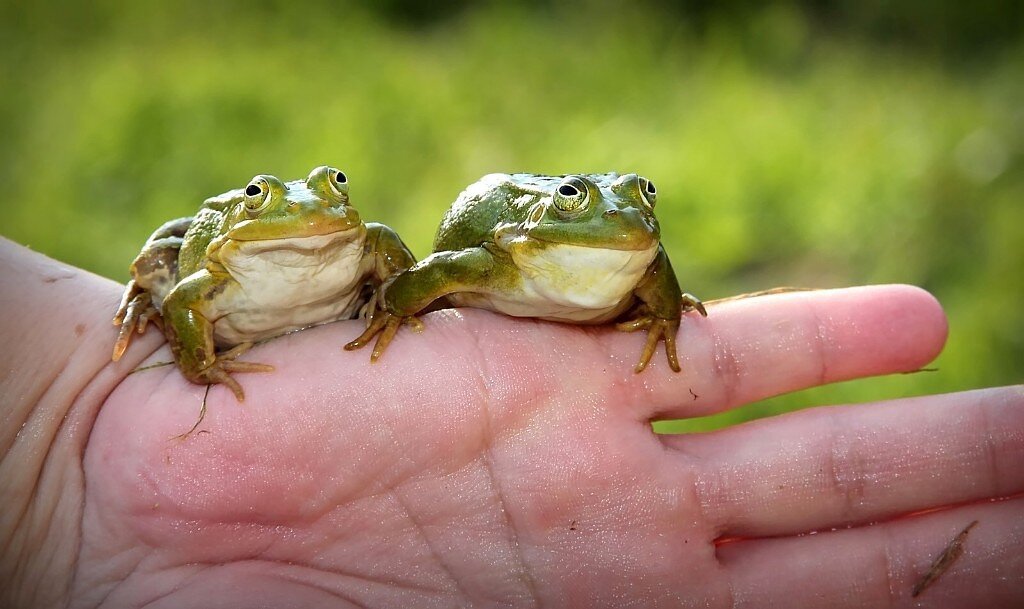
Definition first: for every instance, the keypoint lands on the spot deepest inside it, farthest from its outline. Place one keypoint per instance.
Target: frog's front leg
(190, 334)
(390, 256)
(389, 253)
(410, 292)
(659, 310)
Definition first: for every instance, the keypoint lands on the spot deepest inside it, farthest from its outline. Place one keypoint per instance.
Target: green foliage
(785, 153)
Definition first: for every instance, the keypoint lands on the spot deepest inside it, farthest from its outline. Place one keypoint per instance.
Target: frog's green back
(496, 199)
(205, 227)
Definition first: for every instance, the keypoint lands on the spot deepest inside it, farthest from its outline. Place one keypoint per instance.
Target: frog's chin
(563, 280)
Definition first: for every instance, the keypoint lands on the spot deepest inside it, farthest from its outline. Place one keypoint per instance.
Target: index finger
(751, 349)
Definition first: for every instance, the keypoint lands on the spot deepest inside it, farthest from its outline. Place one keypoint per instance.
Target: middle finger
(841, 465)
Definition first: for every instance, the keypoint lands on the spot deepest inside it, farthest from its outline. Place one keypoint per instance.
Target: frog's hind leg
(154, 272)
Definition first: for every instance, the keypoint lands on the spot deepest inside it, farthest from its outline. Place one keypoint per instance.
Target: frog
(579, 249)
(254, 263)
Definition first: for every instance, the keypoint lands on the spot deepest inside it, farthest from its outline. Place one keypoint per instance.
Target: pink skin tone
(498, 462)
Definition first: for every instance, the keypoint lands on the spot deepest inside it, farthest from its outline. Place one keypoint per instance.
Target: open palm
(498, 462)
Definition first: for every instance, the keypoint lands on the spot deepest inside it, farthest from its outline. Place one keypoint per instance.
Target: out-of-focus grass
(783, 155)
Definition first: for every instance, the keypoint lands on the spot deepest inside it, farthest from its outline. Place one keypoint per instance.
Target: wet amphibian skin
(581, 249)
(254, 263)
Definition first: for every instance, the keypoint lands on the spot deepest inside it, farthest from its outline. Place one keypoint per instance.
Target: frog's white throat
(569, 283)
(296, 270)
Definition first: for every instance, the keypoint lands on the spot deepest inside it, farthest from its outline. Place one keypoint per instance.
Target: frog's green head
(605, 211)
(269, 209)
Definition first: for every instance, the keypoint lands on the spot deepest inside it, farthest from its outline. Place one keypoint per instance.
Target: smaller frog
(254, 263)
(581, 249)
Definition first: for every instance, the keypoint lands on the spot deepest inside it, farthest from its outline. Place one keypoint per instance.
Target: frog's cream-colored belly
(319, 280)
(567, 283)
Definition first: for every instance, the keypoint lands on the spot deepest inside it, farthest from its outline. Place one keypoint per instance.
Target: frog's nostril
(610, 213)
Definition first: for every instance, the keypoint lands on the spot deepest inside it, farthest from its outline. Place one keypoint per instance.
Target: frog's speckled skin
(255, 263)
(578, 249)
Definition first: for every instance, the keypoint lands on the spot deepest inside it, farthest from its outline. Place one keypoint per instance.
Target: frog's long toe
(216, 374)
(124, 336)
(670, 348)
(377, 323)
(235, 351)
(220, 372)
(133, 317)
(386, 336)
(691, 302)
(648, 352)
(131, 292)
(634, 324)
(384, 326)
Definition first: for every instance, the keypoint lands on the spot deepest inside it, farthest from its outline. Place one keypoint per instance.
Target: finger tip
(919, 317)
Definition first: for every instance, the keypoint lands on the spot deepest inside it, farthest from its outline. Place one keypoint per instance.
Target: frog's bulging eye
(571, 195)
(257, 193)
(338, 181)
(648, 191)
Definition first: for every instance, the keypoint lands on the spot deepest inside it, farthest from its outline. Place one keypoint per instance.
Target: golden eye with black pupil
(648, 191)
(338, 181)
(571, 195)
(257, 193)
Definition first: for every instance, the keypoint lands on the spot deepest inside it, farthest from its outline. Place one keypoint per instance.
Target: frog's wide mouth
(622, 242)
(296, 225)
(310, 242)
(623, 245)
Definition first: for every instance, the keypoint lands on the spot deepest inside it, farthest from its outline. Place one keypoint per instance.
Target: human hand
(491, 461)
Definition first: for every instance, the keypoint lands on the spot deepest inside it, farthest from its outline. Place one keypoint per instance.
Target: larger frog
(581, 249)
(254, 263)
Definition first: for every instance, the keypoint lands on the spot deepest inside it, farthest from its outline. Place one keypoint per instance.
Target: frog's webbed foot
(222, 367)
(657, 329)
(134, 314)
(385, 325)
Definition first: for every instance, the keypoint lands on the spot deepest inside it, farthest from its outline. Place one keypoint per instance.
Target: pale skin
(499, 462)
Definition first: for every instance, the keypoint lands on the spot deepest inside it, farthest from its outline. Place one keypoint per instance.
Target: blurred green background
(808, 143)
